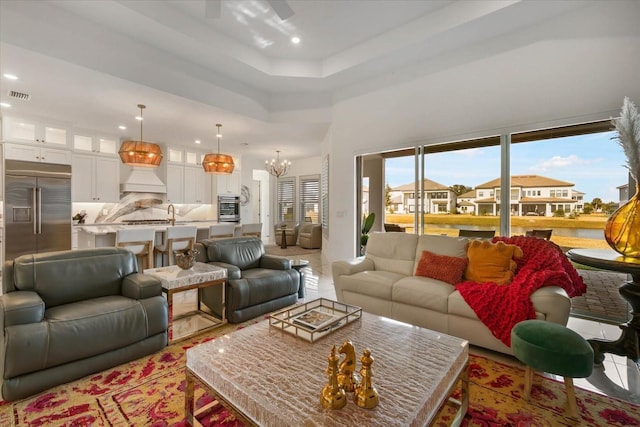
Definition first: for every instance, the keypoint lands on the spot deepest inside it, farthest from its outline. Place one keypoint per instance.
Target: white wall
(571, 69)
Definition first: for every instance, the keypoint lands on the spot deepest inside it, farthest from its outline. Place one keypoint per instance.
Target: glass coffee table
(298, 265)
(267, 376)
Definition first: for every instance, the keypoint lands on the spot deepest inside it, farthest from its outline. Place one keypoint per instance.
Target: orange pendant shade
(140, 154)
(218, 163)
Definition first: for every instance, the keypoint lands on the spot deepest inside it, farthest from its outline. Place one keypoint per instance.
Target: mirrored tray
(315, 319)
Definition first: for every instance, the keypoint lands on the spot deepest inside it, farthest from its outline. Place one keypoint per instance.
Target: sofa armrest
(233, 271)
(274, 262)
(201, 256)
(141, 286)
(21, 307)
(351, 266)
(553, 302)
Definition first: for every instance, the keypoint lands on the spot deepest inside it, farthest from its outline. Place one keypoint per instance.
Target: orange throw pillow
(491, 262)
(441, 267)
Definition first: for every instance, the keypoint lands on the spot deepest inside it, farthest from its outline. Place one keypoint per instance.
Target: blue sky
(594, 163)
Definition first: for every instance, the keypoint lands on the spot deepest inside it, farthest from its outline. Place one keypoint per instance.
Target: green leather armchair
(68, 314)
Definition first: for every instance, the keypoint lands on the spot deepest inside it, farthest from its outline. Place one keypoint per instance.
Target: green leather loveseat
(257, 283)
(64, 315)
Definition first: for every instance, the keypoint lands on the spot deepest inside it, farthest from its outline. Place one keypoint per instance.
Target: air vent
(19, 95)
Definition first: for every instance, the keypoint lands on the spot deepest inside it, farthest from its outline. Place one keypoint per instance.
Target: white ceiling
(88, 63)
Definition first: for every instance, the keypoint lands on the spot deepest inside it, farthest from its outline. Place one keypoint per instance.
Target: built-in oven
(228, 208)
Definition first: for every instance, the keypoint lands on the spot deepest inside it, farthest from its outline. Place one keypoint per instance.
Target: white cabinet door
(33, 153)
(95, 179)
(197, 186)
(175, 183)
(228, 184)
(107, 179)
(82, 178)
(31, 131)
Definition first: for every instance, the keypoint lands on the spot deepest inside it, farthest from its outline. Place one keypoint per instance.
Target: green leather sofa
(257, 283)
(68, 314)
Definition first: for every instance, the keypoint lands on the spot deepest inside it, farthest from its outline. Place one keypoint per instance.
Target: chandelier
(218, 163)
(140, 153)
(277, 168)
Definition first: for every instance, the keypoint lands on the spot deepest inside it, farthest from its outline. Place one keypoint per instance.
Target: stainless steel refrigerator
(37, 208)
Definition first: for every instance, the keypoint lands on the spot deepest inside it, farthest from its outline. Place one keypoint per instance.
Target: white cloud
(559, 162)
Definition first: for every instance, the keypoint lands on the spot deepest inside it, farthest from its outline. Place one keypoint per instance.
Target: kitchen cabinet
(95, 144)
(197, 185)
(175, 183)
(95, 179)
(35, 153)
(32, 131)
(228, 184)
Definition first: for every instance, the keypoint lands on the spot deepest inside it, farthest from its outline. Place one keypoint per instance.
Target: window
(286, 199)
(310, 199)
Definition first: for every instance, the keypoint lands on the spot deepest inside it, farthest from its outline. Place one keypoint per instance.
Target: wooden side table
(629, 342)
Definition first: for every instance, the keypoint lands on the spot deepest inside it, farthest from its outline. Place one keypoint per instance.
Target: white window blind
(286, 199)
(310, 199)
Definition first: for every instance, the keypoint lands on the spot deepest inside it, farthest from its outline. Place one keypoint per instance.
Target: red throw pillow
(449, 269)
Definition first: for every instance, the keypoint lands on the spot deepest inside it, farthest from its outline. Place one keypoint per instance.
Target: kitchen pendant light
(140, 153)
(218, 163)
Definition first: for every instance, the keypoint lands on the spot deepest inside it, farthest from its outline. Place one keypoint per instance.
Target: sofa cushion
(492, 262)
(376, 283)
(422, 292)
(449, 269)
(393, 252)
(243, 252)
(259, 285)
(441, 245)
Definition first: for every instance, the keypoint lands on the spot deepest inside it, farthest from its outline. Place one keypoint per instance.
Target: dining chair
(543, 234)
(140, 241)
(477, 234)
(178, 238)
(222, 231)
(252, 230)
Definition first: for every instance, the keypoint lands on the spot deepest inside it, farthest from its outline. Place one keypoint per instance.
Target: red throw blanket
(500, 307)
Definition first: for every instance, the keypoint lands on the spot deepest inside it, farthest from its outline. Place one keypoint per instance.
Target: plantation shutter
(286, 199)
(310, 199)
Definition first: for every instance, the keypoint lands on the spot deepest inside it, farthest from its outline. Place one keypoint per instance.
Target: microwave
(228, 208)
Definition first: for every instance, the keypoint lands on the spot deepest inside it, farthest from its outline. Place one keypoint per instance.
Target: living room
(451, 71)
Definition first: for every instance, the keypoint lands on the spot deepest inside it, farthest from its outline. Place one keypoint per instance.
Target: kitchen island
(100, 235)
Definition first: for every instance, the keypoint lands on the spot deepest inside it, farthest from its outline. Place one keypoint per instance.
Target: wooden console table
(629, 342)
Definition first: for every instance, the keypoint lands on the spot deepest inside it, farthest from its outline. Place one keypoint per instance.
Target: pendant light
(140, 153)
(218, 163)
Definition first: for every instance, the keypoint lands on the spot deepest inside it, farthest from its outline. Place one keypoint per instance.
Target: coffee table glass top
(275, 378)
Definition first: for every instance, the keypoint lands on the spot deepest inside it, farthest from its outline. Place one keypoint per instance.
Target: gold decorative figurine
(346, 376)
(332, 396)
(366, 395)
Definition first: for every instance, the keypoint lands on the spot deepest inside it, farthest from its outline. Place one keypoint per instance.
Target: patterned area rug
(150, 392)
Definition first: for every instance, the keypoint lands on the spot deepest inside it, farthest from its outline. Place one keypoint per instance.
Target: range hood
(142, 180)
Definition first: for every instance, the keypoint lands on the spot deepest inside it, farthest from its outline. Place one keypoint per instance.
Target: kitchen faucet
(172, 209)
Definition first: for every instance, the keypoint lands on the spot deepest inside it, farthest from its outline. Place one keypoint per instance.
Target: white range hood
(143, 180)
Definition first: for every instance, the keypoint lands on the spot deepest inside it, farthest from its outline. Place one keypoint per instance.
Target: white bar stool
(140, 241)
(178, 238)
(221, 231)
(252, 230)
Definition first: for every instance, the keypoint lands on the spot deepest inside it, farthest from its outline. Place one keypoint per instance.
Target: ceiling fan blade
(212, 8)
(282, 9)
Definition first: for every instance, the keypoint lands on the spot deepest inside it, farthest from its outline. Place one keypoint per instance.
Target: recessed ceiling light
(10, 76)
(122, 127)
(197, 141)
(295, 39)
(5, 105)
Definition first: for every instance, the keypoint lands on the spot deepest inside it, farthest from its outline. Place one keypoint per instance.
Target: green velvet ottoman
(550, 347)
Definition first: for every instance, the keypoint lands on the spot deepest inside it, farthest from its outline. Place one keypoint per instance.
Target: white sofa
(383, 282)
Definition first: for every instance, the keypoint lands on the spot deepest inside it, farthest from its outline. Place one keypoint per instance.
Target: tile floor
(617, 377)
